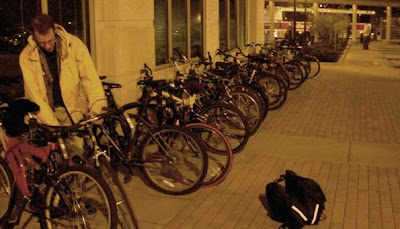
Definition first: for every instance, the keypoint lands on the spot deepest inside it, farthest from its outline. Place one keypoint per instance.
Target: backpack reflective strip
(299, 212)
(315, 214)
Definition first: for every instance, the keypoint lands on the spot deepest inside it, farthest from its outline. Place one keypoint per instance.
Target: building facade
(123, 35)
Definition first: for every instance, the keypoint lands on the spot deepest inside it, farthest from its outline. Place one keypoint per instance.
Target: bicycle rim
(275, 90)
(249, 104)
(173, 161)
(119, 132)
(219, 152)
(295, 74)
(315, 66)
(6, 190)
(230, 121)
(80, 199)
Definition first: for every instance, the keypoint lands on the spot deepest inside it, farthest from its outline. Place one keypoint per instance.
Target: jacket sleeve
(32, 80)
(90, 79)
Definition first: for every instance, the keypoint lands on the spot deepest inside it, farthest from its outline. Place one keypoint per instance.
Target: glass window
(222, 25)
(15, 17)
(196, 28)
(72, 15)
(178, 27)
(161, 31)
(232, 22)
(242, 22)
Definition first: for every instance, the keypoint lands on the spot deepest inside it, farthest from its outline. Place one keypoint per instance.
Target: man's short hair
(41, 23)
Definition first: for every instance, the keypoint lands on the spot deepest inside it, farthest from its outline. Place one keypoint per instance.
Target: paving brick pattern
(344, 104)
(355, 198)
(351, 101)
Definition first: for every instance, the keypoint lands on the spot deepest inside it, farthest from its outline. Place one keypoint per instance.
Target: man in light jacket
(59, 74)
(366, 36)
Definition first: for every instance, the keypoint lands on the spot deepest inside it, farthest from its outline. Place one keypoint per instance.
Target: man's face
(46, 41)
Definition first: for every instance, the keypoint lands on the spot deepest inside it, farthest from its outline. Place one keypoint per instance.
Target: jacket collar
(63, 41)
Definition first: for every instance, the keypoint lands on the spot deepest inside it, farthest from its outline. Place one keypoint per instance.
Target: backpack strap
(300, 213)
(315, 214)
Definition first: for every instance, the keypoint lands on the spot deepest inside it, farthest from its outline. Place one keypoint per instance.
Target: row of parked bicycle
(180, 134)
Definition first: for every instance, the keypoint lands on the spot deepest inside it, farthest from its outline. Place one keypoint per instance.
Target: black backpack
(300, 202)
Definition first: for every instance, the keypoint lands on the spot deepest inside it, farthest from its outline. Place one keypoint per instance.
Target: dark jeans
(366, 41)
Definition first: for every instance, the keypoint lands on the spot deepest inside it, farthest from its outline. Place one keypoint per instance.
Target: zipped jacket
(81, 88)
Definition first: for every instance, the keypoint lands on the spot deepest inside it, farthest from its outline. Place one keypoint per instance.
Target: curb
(346, 51)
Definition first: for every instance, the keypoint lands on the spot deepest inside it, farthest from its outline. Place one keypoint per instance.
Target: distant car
(13, 40)
(17, 42)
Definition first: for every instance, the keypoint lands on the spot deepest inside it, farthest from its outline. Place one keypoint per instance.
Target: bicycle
(96, 154)
(62, 194)
(219, 88)
(162, 103)
(217, 146)
(170, 158)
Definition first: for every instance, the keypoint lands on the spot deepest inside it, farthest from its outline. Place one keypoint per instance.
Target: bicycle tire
(126, 217)
(282, 75)
(219, 150)
(249, 104)
(71, 193)
(7, 191)
(173, 161)
(230, 121)
(120, 133)
(295, 74)
(314, 65)
(242, 78)
(274, 88)
(263, 96)
(305, 66)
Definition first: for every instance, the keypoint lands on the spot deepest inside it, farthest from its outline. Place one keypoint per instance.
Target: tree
(331, 27)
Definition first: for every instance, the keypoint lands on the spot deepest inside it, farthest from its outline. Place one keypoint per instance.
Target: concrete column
(271, 21)
(124, 38)
(45, 8)
(316, 13)
(354, 24)
(257, 21)
(210, 27)
(388, 23)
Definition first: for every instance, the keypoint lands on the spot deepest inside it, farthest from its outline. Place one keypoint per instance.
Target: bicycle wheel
(305, 66)
(126, 217)
(219, 152)
(230, 121)
(7, 191)
(274, 88)
(295, 74)
(120, 133)
(115, 137)
(173, 161)
(249, 103)
(79, 199)
(263, 96)
(315, 65)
